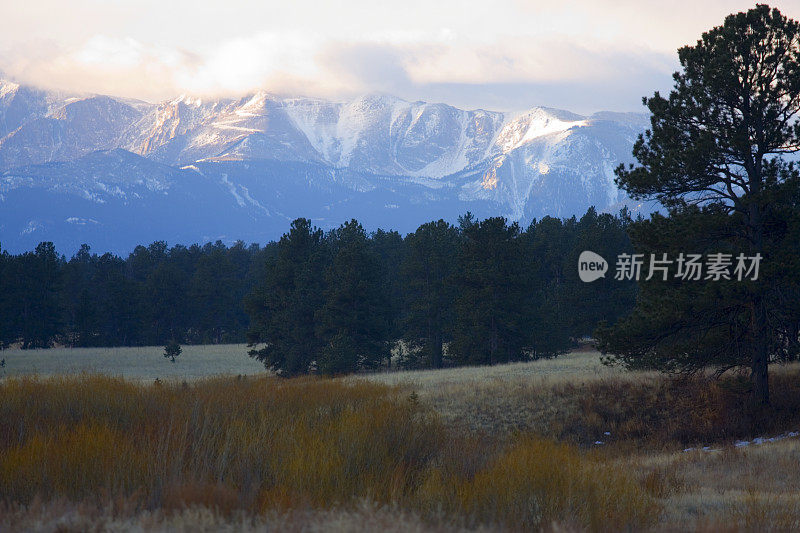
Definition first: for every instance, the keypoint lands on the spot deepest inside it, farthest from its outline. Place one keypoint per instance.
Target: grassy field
(563, 444)
(141, 364)
(574, 366)
(147, 363)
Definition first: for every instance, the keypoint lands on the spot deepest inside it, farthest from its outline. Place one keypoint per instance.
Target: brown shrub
(536, 483)
(269, 444)
(628, 413)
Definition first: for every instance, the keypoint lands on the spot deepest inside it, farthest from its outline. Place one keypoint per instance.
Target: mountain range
(115, 172)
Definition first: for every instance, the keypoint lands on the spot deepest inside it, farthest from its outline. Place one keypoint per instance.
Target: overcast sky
(580, 55)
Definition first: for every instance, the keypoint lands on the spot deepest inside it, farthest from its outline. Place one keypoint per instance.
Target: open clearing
(139, 363)
(635, 424)
(579, 365)
(195, 362)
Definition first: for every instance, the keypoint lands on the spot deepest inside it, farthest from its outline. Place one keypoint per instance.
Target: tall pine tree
(283, 307)
(39, 278)
(714, 157)
(428, 271)
(354, 321)
(493, 305)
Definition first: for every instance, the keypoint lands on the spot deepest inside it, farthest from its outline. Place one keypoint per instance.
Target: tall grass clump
(266, 444)
(633, 412)
(683, 411)
(535, 483)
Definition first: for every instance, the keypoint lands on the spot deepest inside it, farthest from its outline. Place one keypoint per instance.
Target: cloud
(103, 64)
(294, 63)
(372, 66)
(580, 54)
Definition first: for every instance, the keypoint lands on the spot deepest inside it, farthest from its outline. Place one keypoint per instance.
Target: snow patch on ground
(755, 442)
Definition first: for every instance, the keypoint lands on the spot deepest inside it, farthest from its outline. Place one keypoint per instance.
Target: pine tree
(172, 350)
(492, 315)
(389, 248)
(212, 293)
(605, 299)
(79, 295)
(283, 308)
(40, 281)
(9, 321)
(714, 157)
(548, 246)
(354, 320)
(428, 271)
(165, 301)
(120, 313)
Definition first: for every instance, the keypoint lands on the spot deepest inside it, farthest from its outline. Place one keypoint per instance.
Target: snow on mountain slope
(557, 167)
(19, 104)
(190, 129)
(75, 128)
(375, 133)
(385, 135)
(166, 122)
(272, 158)
(538, 122)
(95, 176)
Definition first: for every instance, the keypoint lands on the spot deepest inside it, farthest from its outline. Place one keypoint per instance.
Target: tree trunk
(436, 359)
(493, 342)
(759, 376)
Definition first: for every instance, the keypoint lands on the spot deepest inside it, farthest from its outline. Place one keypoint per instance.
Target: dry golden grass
(536, 396)
(265, 445)
(579, 400)
(407, 451)
(753, 488)
(570, 367)
(644, 420)
(61, 516)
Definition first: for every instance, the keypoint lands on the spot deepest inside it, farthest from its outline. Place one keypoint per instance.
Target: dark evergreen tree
(164, 298)
(389, 249)
(79, 298)
(492, 313)
(283, 308)
(548, 245)
(213, 294)
(172, 350)
(713, 156)
(354, 320)
(428, 271)
(607, 298)
(39, 278)
(240, 257)
(9, 315)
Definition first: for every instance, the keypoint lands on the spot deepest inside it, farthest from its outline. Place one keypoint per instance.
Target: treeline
(480, 292)
(190, 294)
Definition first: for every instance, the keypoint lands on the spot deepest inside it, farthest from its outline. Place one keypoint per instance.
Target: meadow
(561, 444)
(137, 363)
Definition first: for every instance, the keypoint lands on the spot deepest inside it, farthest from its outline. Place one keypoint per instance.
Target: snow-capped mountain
(91, 168)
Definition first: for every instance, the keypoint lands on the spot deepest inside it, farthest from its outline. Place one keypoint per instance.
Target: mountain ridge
(435, 158)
